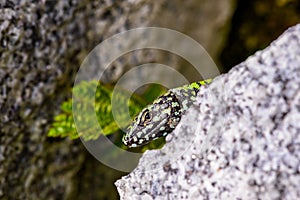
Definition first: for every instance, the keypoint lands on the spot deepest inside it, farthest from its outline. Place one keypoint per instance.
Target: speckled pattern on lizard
(161, 118)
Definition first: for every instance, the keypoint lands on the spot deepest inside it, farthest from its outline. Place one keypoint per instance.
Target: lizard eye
(146, 118)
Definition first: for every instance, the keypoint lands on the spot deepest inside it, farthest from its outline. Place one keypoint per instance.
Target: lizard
(162, 116)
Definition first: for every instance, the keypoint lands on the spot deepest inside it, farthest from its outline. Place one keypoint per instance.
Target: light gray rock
(241, 139)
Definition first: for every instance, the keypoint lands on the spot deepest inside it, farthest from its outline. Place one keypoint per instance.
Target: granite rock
(42, 46)
(241, 139)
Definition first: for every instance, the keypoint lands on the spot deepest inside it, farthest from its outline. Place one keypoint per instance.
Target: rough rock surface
(241, 139)
(42, 44)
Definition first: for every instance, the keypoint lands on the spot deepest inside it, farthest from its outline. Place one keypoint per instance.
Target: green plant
(64, 126)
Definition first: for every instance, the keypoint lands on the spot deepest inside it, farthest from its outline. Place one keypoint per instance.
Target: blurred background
(42, 46)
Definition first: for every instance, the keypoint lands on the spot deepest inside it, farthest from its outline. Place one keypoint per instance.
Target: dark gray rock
(239, 141)
(42, 44)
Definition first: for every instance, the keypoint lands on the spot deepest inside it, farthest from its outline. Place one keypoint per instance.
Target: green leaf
(100, 102)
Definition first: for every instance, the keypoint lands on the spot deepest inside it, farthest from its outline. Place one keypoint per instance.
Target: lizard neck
(187, 94)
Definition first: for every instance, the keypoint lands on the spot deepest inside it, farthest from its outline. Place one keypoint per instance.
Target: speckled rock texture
(241, 139)
(42, 44)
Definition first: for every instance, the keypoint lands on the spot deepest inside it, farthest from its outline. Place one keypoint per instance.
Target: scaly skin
(160, 118)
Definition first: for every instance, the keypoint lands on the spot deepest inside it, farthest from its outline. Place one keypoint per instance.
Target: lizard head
(154, 121)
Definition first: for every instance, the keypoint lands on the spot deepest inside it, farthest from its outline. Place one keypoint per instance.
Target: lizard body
(160, 118)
